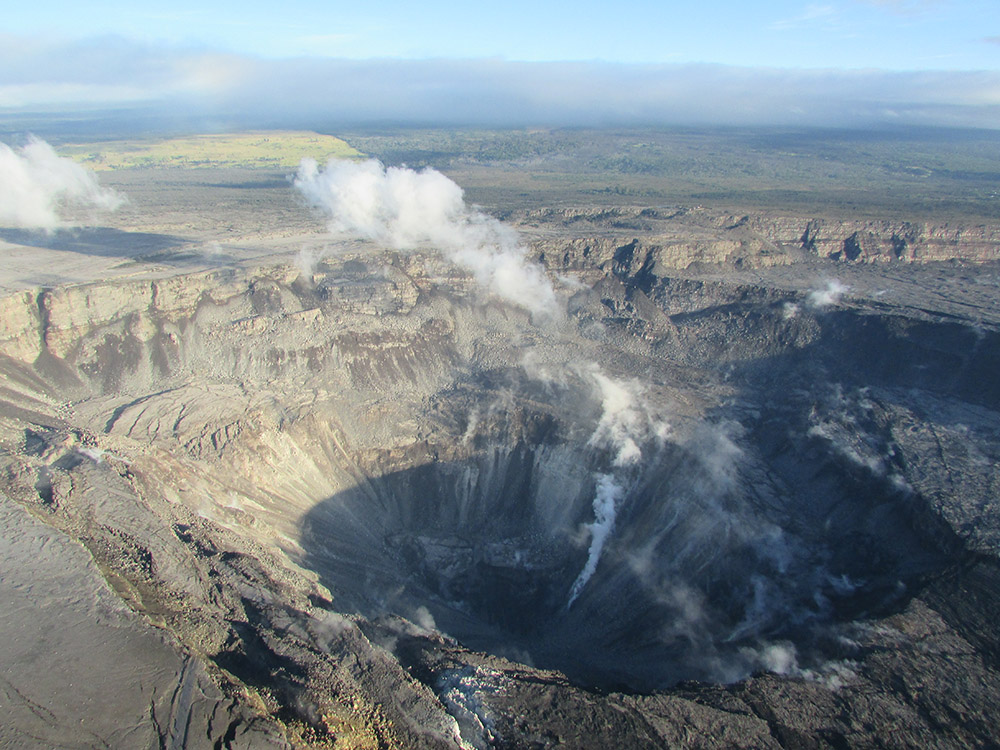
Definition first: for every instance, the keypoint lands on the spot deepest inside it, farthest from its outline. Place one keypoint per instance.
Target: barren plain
(265, 482)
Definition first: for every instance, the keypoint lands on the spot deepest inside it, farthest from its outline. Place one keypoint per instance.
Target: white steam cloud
(827, 296)
(423, 617)
(36, 184)
(626, 420)
(718, 453)
(606, 498)
(627, 423)
(407, 210)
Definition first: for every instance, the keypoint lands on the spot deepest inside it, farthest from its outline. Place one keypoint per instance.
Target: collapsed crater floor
(363, 503)
(700, 578)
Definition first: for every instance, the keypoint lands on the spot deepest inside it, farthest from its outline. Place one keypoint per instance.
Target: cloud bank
(407, 210)
(230, 90)
(36, 184)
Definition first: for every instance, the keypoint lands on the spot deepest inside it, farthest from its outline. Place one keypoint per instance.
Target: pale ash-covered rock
(676, 238)
(346, 504)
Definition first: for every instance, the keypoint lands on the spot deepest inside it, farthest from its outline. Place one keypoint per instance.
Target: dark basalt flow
(709, 573)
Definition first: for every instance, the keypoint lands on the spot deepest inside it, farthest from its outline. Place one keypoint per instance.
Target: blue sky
(886, 34)
(926, 61)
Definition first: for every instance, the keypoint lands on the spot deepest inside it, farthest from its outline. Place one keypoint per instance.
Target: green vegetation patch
(263, 150)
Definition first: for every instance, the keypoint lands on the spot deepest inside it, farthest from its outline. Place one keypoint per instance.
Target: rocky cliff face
(358, 503)
(681, 237)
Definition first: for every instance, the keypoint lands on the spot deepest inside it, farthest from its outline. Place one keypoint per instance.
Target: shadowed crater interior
(732, 549)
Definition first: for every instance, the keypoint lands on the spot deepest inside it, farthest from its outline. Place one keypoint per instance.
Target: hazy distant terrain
(912, 174)
(917, 174)
(267, 150)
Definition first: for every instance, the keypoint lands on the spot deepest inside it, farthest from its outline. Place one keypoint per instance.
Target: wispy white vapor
(606, 498)
(811, 16)
(827, 295)
(718, 453)
(627, 423)
(36, 183)
(789, 311)
(626, 420)
(406, 210)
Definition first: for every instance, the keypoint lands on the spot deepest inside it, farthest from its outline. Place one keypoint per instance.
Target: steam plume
(826, 296)
(406, 210)
(626, 420)
(606, 498)
(35, 183)
(626, 423)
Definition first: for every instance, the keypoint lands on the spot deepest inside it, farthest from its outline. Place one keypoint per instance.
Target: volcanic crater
(359, 495)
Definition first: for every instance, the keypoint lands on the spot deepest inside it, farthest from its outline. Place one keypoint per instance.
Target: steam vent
(392, 473)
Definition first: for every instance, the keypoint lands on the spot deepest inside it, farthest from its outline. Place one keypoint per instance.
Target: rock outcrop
(682, 237)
